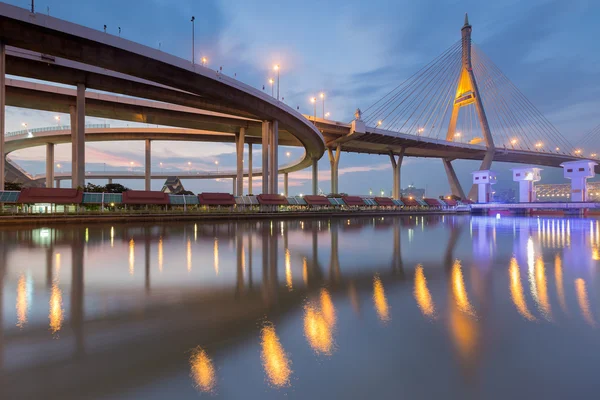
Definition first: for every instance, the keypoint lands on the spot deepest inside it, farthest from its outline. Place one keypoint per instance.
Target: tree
(91, 188)
(16, 186)
(115, 188)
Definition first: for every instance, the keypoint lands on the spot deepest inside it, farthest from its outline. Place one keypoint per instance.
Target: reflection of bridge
(460, 106)
(165, 332)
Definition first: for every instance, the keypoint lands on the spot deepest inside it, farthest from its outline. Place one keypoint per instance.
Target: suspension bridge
(458, 106)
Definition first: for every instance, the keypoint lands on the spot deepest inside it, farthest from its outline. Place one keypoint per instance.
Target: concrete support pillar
(455, 187)
(73, 116)
(250, 168)
(80, 135)
(265, 157)
(57, 184)
(234, 188)
(110, 181)
(239, 150)
(397, 174)
(2, 111)
(486, 164)
(579, 172)
(315, 176)
(273, 157)
(49, 164)
(148, 166)
(334, 162)
(285, 184)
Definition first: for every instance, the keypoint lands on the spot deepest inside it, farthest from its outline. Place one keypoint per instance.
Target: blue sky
(354, 52)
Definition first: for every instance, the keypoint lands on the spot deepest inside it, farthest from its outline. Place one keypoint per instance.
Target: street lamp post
(276, 68)
(323, 99)
(57, 118)
(217, 164)
(271, 81)
(193, 34)
(314, 101)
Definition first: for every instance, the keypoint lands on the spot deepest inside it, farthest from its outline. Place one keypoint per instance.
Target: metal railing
(54, 128)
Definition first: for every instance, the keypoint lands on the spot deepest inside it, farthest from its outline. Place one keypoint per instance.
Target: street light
(314, 101)
(57, 118)
(271, 81)
(193, 47)
(217, 164)
(287, 154)
(323, 99)
(204, 61)
(276, 68)
(379, 122)
(327, 114)
(161, 166)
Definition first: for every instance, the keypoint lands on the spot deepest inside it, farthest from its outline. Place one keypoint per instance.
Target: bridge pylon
(467, 93)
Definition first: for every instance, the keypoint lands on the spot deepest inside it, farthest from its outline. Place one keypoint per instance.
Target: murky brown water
(447, 307)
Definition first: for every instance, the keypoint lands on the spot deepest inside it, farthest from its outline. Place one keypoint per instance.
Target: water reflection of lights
(195, 232)
(23, 294)
(160, 254)
(57, 263)
(531, 270)
(305, 271)
(288, 269)
(216, 255)
(131, 257)
(558, 277)
(327, 307)
(422, 294)
(275, 360)
(56, 315)
(542, 289)
(189, 255)
(317, 331)
(381, 304)
(203, 371)
(459, 291)
(112, 236)
(516, 290)
(584, 304)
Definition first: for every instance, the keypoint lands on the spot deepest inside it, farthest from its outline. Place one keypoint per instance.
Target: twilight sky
(354, 51)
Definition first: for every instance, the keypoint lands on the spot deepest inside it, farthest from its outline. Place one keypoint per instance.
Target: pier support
(110, 181)
(250, 169)
(2, 111)
(397, 174)
(455, 187)
(579, 172)
(334, 162)
(526, 176)
(234, 186)
(265, 157)
(57, 183)
(239, 152)
(49, 164)
(273, 157)
(78, 139)
(315, 176)
(483, 181)
(148, 166)
(486, 164)
(285, 184)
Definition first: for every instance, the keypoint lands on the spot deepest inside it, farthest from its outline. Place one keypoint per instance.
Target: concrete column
(334, 162)
(73, 116)
(455, 186)
(2, 111)
(80, 135)
(239, 149)
(315, 176)
(486, 164)
(285, 184)
(397, 174)
(57, 183)
(249, 168)
(148, 166)
(265, 157)
(110, 181)
(49, 164)
(234, 191)
(274, 162)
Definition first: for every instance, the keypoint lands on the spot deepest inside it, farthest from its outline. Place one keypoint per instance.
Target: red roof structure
(384, 201)
(50, 195)
(450, 202)
(216, 199)
(353, 201)
(410, 202)
(432, 202)
(272, 200)
(315, 200)
(145, 197)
